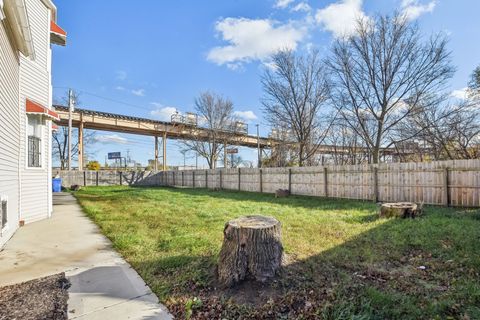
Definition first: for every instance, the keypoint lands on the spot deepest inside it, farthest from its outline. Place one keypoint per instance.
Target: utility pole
(258, 148)
(70, 110)
(184, 153)
(225, 160)
(196, 160)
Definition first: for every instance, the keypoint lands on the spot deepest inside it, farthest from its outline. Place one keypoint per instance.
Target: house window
(3, 213)
(34, 141)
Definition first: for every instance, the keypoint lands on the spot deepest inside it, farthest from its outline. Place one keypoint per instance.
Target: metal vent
(3, 213)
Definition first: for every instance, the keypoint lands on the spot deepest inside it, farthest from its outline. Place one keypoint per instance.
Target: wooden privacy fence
(455, 183)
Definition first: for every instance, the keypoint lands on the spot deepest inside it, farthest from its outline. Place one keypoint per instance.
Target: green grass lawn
(342, 262)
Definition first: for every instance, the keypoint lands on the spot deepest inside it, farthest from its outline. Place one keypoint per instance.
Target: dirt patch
(43, 298)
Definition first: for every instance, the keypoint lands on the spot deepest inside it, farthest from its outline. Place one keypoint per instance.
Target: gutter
(17, 17)
(2, 15)
(53, 9)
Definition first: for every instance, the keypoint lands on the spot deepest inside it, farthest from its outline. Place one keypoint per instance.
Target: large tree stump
(251, 250)
(399, 210)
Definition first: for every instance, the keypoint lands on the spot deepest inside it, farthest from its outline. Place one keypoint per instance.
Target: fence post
(239, 179)
(206, 179)
(193, 178)
(174, 179)
(446, 193)
(221, 179)
(375, 184)
(290, 180)
(121, 180)
(261, 180)
(84, 178)
(325, 181)
(183, 179)
(96, 179)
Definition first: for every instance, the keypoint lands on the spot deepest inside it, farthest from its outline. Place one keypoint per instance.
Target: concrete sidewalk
(104, 286)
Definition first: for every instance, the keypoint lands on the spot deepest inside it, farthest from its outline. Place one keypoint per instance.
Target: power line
(107, 99)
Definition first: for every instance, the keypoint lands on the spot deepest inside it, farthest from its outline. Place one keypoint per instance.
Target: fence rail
(449, 183)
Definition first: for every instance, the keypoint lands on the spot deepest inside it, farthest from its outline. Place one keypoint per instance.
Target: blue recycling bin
(57, 184)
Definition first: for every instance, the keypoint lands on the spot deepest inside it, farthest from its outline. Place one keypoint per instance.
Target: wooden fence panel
(455, 183)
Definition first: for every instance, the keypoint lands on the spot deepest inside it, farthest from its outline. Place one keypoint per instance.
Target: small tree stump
(282, 193)
(399, 210)
(75, 187)
(251, 249)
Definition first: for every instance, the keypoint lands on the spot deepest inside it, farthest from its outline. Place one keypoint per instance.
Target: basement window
(34, 141)
(3, 214)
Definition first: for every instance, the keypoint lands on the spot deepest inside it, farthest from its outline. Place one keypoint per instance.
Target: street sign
(232, 150)
(114, 155)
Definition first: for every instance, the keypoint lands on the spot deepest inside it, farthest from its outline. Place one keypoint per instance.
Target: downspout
(2, 15)
(25, 25)
(17, 16)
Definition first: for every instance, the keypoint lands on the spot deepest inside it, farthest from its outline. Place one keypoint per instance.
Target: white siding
(9, 131)
(35, 85)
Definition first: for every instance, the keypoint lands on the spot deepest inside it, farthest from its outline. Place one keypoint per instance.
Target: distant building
(151, 163)
(27, 29)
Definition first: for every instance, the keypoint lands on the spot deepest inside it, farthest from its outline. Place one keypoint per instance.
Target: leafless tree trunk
(295, 93)
(385, 74)
(216, 116)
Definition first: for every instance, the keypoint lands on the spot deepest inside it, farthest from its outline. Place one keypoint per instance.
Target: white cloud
(120, 88)
(246, 115)
(459, 93)
(340, 17)
(111, 138)
(253, 40)
(121, 75)
(139, 92)
(161, 112)
(302, 6)
(282, 4)
(412, 9)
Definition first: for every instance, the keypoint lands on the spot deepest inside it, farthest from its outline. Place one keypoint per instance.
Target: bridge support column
(80, 146)
(164, 140)
(155, 166)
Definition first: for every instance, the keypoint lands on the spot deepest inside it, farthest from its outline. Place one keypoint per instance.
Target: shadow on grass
(307, 202)
(402, 269)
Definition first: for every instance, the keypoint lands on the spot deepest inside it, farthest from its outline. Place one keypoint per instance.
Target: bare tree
(474, 83)
(384, 74)
(347, 147)
(60, 138)
(295, 92)
(216, 116)
(236, 161)
(283, 152)
(450, 131)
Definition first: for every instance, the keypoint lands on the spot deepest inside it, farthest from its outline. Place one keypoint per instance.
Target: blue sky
(157, 56)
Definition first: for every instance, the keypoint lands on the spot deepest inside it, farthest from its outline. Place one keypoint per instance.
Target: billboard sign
(114, 155)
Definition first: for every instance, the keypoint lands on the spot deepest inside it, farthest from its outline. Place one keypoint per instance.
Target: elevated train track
(181, 127)
(105, 121)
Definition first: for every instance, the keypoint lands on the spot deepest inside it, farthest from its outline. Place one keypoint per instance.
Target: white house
(27, 29)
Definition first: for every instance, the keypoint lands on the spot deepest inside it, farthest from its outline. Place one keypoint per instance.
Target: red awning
(36, 108)
(57, 34)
